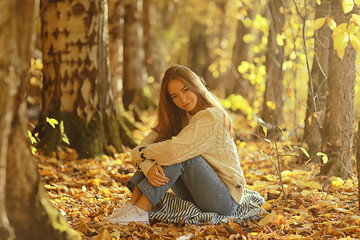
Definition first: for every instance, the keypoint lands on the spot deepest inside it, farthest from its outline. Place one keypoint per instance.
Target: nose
(182, 98)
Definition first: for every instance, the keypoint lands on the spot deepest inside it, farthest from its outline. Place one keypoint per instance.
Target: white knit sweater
(206, 135)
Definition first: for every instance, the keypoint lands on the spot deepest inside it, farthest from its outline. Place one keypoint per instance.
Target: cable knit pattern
(207, 135)
(149, 139)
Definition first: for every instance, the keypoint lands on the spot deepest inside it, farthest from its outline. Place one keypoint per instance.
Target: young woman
(190, 150)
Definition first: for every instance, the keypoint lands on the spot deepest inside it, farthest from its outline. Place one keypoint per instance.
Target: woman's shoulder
(210, 112)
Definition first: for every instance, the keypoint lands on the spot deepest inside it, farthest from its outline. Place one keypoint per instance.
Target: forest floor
(86, 190)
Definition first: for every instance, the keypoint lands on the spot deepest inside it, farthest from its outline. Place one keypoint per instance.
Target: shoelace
(120, 210)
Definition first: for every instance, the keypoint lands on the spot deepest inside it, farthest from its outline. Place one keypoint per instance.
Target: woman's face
(182, 96)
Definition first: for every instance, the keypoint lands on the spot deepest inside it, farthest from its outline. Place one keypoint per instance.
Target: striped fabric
(173, 209)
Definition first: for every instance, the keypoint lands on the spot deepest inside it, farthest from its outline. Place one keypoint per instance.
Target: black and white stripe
(173, 209)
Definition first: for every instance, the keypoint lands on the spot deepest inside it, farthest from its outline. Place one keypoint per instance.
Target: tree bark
(274, 74)
(154, 61)
(133, 82)
(316, 101)
(116, 25)
(358, 162)
(235, 82)
(29, 211)
(77, 80)
(198, 54)
(339, 121)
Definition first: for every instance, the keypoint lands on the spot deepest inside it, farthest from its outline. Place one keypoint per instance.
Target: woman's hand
(156, 176)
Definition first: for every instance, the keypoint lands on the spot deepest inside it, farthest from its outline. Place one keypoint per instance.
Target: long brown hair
(170, 118)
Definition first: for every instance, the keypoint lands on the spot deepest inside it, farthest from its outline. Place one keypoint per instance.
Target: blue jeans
(193, 180)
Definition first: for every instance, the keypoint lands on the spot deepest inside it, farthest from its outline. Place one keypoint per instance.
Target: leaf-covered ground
(86, 190)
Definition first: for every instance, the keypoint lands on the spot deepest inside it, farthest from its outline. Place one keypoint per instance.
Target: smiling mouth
(187, 104)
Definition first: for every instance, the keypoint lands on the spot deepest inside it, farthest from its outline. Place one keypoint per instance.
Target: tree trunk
(77, 80)
(273, 101)
(358, 162)
(198, 54)
(154, 61)
(235, 82)
(215, 46)
(29, 211)
(116, 25)
(316, 101)
(339, 121)
(133, 57)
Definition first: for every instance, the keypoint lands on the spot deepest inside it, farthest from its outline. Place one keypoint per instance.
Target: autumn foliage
(87, 190)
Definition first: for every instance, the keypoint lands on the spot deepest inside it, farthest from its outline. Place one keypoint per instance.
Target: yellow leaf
(318, 2)
(279, 40)
(353, 28)
(341, 39)
(271, 105)
(304, 151)
(248, 38)
(244, 67)
(357, 2)
(266, 206)
(356, 19)
(322, 203)
(311, 184)
(337, 183)
(305, 193)
(331, 23)
(267, 219)
(349, 183)
(347, 5)
(319, 23)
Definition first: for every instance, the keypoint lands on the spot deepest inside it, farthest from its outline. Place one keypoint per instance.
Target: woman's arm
(146, 165)
(193, 140)
(149, 139)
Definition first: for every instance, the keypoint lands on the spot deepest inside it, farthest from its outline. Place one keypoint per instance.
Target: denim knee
(135, 180)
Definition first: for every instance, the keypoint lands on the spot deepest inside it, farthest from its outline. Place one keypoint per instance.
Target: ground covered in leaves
(86, 190)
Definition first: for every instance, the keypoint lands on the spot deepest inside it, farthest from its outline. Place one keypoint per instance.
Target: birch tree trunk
(77, 80)
(273, 101)
(30, 213)
(339, 121)
(316, 101)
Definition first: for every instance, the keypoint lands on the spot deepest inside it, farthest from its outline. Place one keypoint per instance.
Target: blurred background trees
(263, 59)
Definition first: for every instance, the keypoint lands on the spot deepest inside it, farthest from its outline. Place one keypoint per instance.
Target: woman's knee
(199, 160)
(135, 180)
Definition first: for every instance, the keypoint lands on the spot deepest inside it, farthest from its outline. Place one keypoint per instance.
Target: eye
(186, 89)
(173, 96)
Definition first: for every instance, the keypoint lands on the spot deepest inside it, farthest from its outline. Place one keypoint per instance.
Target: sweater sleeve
(192, 141)
(149, 139)
(146, 165)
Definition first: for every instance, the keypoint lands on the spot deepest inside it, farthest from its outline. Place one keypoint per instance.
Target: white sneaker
(119, 211)
(131, 214)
